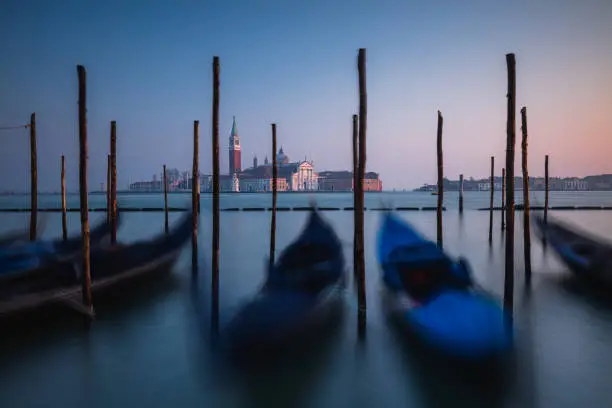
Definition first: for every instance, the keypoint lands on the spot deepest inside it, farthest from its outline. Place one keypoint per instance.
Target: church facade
(292, 176)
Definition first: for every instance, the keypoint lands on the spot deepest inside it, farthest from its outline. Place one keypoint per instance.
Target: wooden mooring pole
(440, 180)
(363, 109)
(166, 223)
(526, 210)
(274, 189)
(546, 189)
(194, 195)
(33, 179)
(85, 276)
(511, 141)
(113, 155)
(355, 195)
(491, 199)
(64, 221)
(503, 198)
(216, 191)
(108, 189)
(198, 185)
(461, 194)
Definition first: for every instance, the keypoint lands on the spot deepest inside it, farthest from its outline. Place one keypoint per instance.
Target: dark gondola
(33, 257)
(587, 257)
(432, 298)
(110, 265)
(302, 294)
(14, 238)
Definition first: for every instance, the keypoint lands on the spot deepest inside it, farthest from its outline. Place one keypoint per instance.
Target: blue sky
(294, 63)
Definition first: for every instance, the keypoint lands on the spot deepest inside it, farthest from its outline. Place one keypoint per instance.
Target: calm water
(472, 200)
(147, 349)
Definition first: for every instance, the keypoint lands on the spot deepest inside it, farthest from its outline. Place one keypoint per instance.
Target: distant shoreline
(188, 192)
(124, 192)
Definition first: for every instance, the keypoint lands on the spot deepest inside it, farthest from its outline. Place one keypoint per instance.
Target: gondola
(32, 257)
(432, 298)
(301, 294)
(110, 265)
(14, 237)
(587, 257)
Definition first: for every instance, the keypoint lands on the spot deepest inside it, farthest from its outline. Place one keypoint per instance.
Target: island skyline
(600, 182)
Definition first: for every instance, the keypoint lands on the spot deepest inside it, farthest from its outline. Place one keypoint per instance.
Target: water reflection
(440, 383)
(525, 335)
(597, 297)
(290, 379)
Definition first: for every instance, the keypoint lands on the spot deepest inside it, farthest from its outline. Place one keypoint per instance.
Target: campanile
(235, 159)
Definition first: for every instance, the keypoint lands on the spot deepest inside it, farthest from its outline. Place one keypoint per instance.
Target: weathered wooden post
(363, 109)
(526, 210)
(503, 198)
(64, 221)
(166, 224)
(461, 194)
(199, 207)
(108, 189)
(491, 199)
(216, 191)
(113, 155)
(274, 189)
(511, 141)
(546, 189)
(86, 276)
(355, 195)
(33, 179)
(440, 181)
(194, 193)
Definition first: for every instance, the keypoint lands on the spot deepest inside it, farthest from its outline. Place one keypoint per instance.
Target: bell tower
(235, 158)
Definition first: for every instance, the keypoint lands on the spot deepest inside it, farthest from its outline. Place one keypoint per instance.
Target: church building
(292, 176)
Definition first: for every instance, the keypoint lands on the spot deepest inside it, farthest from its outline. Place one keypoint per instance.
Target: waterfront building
(343, 181)
(146, 186)
(372, 182)
(336, 181)
(486, 185)
(227, 183)
(254, 184)
(575, 184)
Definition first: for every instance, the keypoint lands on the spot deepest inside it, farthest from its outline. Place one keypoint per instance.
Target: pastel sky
(294, 63)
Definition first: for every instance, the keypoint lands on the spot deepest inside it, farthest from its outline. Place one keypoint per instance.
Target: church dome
(281, 157)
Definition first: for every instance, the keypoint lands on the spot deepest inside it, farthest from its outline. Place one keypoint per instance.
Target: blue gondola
(302, 291)
(30, 257)
(432, 296)
(587, 257)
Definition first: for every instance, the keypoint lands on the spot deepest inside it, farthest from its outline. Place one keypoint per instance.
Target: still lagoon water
(147, 348)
